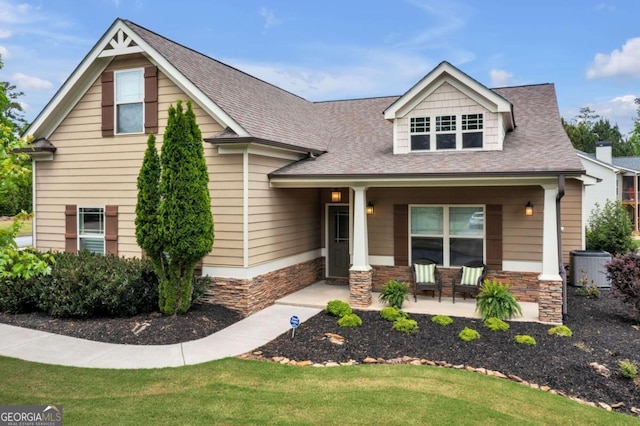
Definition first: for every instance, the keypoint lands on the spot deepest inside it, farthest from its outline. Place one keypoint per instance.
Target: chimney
(603, 151)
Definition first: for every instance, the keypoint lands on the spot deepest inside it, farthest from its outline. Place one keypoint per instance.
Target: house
(612, 178)
(352, 189)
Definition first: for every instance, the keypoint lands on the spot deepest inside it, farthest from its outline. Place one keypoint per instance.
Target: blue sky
(347, 49)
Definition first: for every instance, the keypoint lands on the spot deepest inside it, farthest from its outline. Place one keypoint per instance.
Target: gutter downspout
(562, 270)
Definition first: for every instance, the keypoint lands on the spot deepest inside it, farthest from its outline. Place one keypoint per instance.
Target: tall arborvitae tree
(184, 231)
(147, 231)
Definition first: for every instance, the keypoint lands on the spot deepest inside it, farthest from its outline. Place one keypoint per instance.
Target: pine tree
(179, 232)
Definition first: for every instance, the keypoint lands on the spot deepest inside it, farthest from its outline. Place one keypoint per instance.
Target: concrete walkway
(241, 337)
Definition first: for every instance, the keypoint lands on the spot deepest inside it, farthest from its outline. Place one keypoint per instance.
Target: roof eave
(275, 144)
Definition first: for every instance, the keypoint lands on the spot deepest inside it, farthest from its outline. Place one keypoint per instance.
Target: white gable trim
(585, 157)
(95, 63)
(463, 82)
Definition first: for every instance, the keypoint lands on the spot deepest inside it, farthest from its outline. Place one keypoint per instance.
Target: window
(91, 222)
(420, 128)
(446, 132)
(129, 101)
(472, 130)
(448, 235)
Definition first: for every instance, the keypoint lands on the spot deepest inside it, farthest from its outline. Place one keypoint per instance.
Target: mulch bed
(602, 333)
(144, 329)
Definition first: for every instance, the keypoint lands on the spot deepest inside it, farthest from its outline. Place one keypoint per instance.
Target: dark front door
(338, 241)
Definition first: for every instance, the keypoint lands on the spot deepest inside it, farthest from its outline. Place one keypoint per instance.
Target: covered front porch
(319, 294)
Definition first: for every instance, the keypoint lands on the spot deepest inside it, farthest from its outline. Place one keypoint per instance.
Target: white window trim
(462, 132)
(115, 101)
(458, 132)
(92, 236)
(446, 261)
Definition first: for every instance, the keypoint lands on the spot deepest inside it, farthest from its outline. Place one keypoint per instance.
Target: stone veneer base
(360, 288)
(249, 295)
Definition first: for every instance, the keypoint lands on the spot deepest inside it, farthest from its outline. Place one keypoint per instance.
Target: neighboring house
(444, 171)
(617, 179)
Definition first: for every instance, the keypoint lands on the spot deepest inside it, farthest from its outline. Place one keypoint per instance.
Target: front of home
(302, 191)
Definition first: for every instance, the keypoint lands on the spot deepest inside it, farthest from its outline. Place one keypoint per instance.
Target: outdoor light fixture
(336, 196)
(528, 209)
(370, 208)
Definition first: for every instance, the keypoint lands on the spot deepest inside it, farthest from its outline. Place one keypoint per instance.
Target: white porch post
(550, 271)
(360, 272)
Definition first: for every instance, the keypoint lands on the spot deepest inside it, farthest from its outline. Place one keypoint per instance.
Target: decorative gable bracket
(120, 44)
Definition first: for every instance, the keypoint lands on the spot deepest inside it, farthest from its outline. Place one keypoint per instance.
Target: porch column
(360, 272)
(550, 281)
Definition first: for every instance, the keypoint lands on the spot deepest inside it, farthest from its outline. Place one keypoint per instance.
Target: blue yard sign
(295, 322)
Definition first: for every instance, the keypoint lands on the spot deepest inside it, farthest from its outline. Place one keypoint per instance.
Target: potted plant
(394, 293)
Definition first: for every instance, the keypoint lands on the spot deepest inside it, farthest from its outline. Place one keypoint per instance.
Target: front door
(338, 244)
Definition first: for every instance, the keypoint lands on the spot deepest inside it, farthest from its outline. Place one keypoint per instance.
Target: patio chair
(426, 277)
(469, 279)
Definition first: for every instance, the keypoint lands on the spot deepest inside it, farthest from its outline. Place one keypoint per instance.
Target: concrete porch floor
(317, 295)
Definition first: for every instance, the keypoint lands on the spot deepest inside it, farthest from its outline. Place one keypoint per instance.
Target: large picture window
(448, 235)
(129, 101)
(91, 222)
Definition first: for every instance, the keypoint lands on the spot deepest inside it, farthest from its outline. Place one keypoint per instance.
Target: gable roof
(631, 164)
(587, 156)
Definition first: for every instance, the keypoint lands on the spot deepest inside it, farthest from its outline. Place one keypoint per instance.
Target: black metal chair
(473, 288)
(424, 280)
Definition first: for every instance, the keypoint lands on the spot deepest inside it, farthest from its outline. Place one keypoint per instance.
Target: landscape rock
(369, 360)
(601, 369)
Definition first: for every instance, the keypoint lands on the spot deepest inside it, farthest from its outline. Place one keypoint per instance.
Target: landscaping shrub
(91, 285)
(589, 290)
(624, 273)
(525, 339)
(628, 369)
(496, 301)
(561, 330)
(394, 293)
(350, 320)
(442, 319)
(17, 295)
(391, 313)
(405, 325)
(496, 324)
(200, 287)
(469, 334)
(338, 308)
(609, 229)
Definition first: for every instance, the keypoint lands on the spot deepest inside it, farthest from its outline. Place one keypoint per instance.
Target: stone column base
(550, 302)
(360, 288)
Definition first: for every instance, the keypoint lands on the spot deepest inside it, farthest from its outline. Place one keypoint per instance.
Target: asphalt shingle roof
(631, 163)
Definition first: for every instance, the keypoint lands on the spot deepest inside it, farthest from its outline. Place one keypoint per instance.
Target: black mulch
(143, 329)
(603, 333)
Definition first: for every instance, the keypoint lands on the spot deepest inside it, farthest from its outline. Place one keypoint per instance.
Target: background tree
(587, 128)
(184, 231)
(634, 139)
(609, 229)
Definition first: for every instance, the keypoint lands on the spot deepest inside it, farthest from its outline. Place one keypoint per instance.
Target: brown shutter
(107, 103)
(151, 99)
(401, 234)
(111, 229)
(494, 237)
(71, 228)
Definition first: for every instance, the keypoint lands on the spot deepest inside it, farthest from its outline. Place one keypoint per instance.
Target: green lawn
(234, 391)
(26, 226)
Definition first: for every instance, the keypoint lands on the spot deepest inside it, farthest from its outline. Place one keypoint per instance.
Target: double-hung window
(129, 100)
(91, 222)
(448, 235)
(446, 132)
(472, 125)
(420, 128)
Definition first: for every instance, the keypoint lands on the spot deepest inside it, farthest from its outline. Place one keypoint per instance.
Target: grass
(234, 391)
(24, 230)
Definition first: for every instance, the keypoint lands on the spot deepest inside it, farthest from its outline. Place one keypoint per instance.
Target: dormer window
(472, 125)
(446, 132)
(420, 133)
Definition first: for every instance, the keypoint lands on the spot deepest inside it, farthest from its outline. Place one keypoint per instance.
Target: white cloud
(4, 52)
(4, 33)
(500, 78)
(617, 63)
(270, 19)
(28, 82)
(11, 13)
(620, 110)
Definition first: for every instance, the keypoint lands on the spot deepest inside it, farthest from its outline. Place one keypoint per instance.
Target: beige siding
(282, 222)
(447, 100)
(571, 210)
(522, 236)
(91, 170)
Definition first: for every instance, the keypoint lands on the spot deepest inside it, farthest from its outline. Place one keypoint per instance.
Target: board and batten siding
(91, 170)
(447, 100)
(282, 221)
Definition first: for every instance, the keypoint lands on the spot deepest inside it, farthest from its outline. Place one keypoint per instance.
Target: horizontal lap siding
(282, 222)
(571, 210)
(522, 236)
(91, 170)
